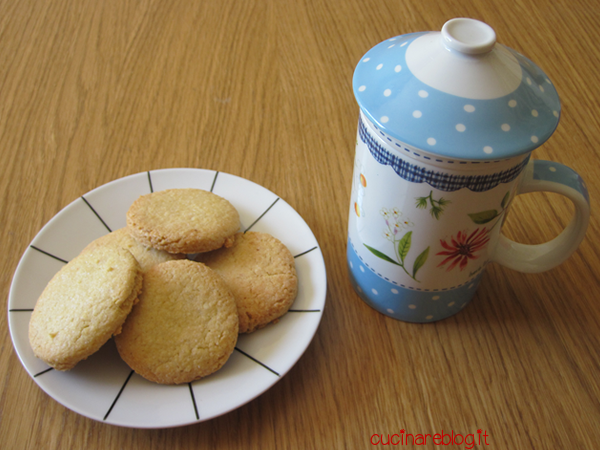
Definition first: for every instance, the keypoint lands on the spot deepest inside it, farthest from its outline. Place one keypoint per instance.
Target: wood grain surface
(91, 91)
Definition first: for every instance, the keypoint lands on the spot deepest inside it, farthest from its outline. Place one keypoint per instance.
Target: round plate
(103, 387)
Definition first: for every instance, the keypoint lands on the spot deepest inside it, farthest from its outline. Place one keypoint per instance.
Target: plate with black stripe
(103, 387)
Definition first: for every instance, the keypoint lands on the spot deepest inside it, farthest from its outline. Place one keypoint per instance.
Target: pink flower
(462, 249)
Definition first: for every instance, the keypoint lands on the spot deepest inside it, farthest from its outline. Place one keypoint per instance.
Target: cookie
(146, 256)
(184, 327)
(261, 274)
(183, 220)
(83, 305)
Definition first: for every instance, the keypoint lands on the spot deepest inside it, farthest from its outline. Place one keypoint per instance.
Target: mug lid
(457, 93)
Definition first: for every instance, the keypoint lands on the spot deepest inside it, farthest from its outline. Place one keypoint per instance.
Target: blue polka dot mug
(448, 121)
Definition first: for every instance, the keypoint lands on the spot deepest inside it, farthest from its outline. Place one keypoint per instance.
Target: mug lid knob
(468, 36)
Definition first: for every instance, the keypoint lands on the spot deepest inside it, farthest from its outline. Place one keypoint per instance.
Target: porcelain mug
(439, 161)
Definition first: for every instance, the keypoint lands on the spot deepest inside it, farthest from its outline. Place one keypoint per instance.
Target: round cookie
(184, 327)
(260, 273)
(83, 305)
(146, 256)
(183, 220)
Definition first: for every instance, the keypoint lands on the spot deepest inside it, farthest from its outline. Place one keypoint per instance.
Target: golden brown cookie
(83, 305)
(183, 220)
(184, 327)
(261, 274)
(146, 256)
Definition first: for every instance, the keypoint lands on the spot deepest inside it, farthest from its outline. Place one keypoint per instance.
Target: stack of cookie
(174, 319)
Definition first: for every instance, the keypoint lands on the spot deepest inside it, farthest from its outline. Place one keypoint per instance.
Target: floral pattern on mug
(395, 224)
(359, 184)
(437, 206)
(463, 247)
(483, 217)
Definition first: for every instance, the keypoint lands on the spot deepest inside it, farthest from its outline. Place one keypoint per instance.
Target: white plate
(103, 387)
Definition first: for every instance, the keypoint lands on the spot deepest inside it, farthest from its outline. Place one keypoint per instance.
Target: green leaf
(404, 245)
(420, 261)
(381, 255)
(436, 212)
(484, 216)
(505, 200)
(421, 202)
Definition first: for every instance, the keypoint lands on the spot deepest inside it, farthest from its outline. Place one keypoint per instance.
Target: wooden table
(91, 91)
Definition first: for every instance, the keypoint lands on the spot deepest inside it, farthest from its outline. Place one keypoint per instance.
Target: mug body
(422, 228)
(448, 121)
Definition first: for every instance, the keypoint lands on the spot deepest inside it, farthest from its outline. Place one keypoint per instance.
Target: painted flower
(397, 227)
(395, 224)
(406, 223)
(462, 248)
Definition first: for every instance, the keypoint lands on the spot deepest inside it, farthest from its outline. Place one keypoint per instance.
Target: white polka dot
(460, 127)
(359, 288)
(412, 306)
(417, 114)
(505, 127)
(384, 119)
(366, 59)
(451, 304)
(387, 92)
(431, 141)
(398, 68)
(552, 169)
(404, 44)
(469, 108)
(529, 81)
(351, 265)
(390, 310)
(374, 291)
(394, 291)
(379, 66)
(534, 139)
(534, 113)
(555, 113)
(471, 286)
(542, 88)
(435, 297)
(487, 149)
(391, 45)
(548, 81)
(512, 103)
(362, 88)
(463, 305)
(429, 317)
(423, 94)
(362, 269)
(392, 39)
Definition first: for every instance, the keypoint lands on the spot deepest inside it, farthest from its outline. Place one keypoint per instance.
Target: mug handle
(550, 177)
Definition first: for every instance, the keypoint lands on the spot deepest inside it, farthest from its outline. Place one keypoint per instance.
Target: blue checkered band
(439, 180)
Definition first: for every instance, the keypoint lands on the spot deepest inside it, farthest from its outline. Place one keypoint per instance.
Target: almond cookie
(146, 256)
(261, 274)
(184, 327)
(83, 305)
(183, 220)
